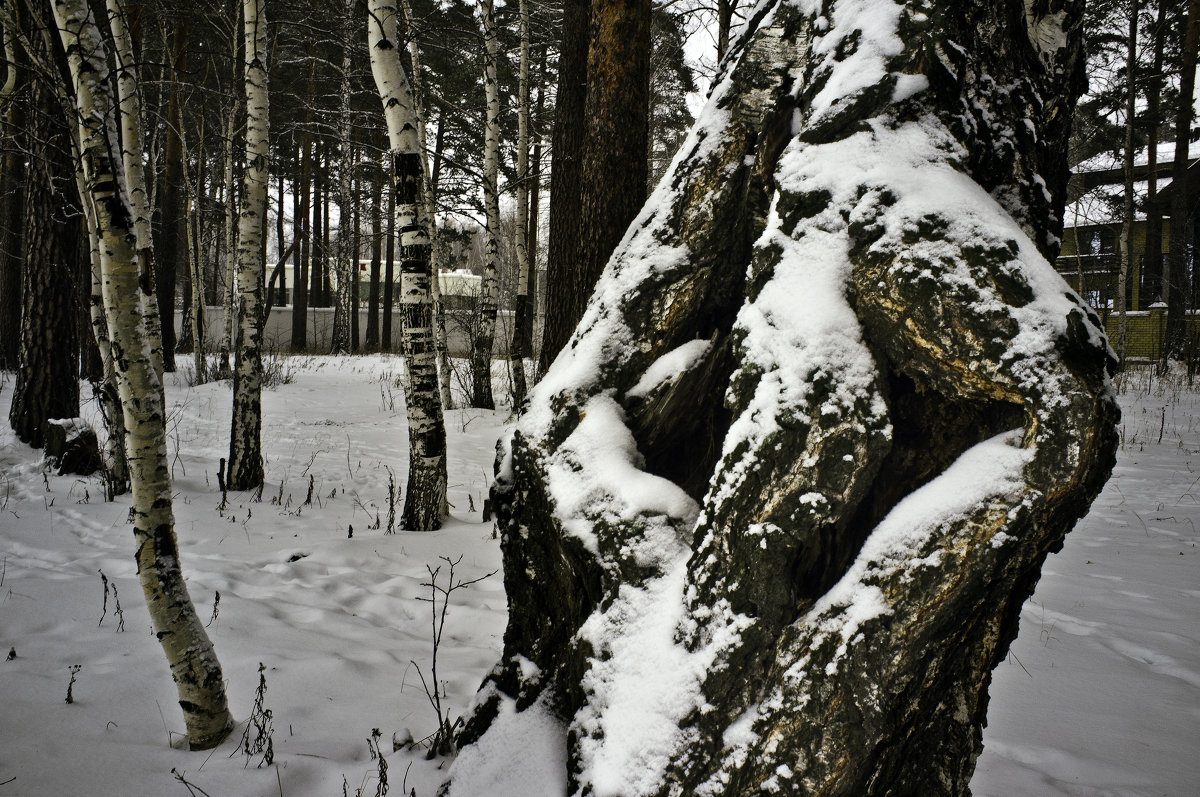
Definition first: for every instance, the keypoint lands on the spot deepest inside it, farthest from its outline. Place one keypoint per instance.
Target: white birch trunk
(245, 469)
(425, 498)
(481, 356)
(132, 170)
(116, 466)
(192, 660)
(436, 252)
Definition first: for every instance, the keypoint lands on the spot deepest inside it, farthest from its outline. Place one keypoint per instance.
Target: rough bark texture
(828, 411)
(566, 171)
(347, 258)
(171, 241)
(189, 652)
(518, 352)
(13, 97)
(425, 498)
(613, 157)
(1176, 277)
(245, 469)
(47, 378)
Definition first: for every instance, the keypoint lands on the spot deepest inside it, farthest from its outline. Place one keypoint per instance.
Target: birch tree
(245, 469)
(769, 519)
(425, 498)
(189, 652)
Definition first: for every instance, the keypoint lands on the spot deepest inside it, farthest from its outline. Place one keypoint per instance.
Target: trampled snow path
(1101, 694)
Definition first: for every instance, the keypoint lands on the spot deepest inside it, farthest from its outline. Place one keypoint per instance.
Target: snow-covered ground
(1100, 695)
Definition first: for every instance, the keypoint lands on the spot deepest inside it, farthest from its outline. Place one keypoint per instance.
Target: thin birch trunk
(425, 499)
(485, 334)
(245, 469)
(193, 662)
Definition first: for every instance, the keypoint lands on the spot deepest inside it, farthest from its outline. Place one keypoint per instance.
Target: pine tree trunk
(189, 652)
(300, 276)
(828, 411)
(425, 498)
(1127, 217)
(1177, 280)
(245, 468)
(171, 238)
(389, 260)
(489, 291)
(1152, 259)
(566, 177)
(347, 262)
(372, 338)
(47, 377)
(518, 352)
(12, 215)
(229, 340)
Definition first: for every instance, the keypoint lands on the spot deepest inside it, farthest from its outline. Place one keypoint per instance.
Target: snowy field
(1099, 696)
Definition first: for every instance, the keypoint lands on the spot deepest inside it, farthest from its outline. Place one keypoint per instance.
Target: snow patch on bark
(595, 477)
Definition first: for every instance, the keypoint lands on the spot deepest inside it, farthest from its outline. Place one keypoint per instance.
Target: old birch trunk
(425, 498)
(769, 519)
(245, 468)
(437, 251)
(189, 652)
(485, 332)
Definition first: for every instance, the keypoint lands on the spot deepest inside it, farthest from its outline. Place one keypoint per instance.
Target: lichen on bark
(828, 412)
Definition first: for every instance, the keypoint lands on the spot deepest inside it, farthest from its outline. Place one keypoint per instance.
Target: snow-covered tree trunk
(245, 468)
(347, 259)
(770, 517)
(189, 652)
(518, 352)
(485, 333)
(425, 498)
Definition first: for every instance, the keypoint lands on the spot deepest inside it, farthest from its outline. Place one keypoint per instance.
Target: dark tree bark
(614, 166)
(300, 276)
(1177, 280)
(13, 143)
(566, 170)
(170, 244)
(1152, 259)
(47, 379)
(827, 413)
